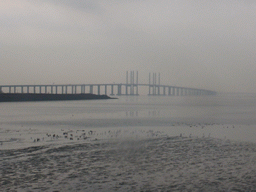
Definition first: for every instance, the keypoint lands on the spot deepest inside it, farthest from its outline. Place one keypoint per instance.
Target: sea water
(133, 143)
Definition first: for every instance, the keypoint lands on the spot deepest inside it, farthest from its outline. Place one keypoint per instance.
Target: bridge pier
(126, 89)
(106, 91)
(112, 90)
(178, 91)
(169, 91)
(91, 89)
(98, 89)
(119, 89)
(164, 90)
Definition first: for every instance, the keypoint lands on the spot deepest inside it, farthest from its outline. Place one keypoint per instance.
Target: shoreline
(17, 97)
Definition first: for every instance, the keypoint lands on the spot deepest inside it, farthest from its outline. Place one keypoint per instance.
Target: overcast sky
(209, 44)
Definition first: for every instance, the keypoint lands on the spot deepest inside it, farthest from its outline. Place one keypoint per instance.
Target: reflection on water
(132, 113)
(151, 113)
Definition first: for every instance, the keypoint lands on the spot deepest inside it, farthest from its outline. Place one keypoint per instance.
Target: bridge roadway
(115, 89)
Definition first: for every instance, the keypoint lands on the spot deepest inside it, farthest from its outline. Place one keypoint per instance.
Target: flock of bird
(93, 135)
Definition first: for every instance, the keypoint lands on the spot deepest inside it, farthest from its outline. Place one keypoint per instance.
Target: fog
(199, 44)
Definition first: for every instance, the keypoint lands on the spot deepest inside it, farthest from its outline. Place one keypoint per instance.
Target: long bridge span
(131, 87)
(112, 89)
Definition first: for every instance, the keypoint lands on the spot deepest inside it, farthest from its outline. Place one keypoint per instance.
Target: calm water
(130, 144)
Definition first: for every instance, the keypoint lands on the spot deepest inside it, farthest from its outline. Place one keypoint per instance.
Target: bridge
(131, 87)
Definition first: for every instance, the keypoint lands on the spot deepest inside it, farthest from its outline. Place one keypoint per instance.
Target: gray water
(130, 144)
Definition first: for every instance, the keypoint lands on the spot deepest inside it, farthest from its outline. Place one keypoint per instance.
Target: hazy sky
(208, 44)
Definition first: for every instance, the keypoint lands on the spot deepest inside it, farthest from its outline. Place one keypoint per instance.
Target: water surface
(130, 144)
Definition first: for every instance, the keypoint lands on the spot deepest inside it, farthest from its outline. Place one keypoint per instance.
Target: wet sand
(142, 161)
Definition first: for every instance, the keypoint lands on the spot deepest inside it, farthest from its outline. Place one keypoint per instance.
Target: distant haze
(192, 43)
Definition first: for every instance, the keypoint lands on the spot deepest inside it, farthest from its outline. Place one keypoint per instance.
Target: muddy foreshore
(153, 164)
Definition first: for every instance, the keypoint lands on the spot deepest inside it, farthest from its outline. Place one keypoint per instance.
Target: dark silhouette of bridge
(131, 87)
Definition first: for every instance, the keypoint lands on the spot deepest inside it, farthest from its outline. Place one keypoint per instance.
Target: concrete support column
(126, 89)
(106, 91)
(34, 89)
(56, 89)
(112, 90)
(10, 89)
(98, 89)
(131, 90)
(119, 90)
(91, 89)
(45, 89)
(173, 91)
(137, 82)
(164, 90)
(131, 82)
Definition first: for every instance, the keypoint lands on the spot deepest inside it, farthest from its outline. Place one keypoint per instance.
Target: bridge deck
(115, 89)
